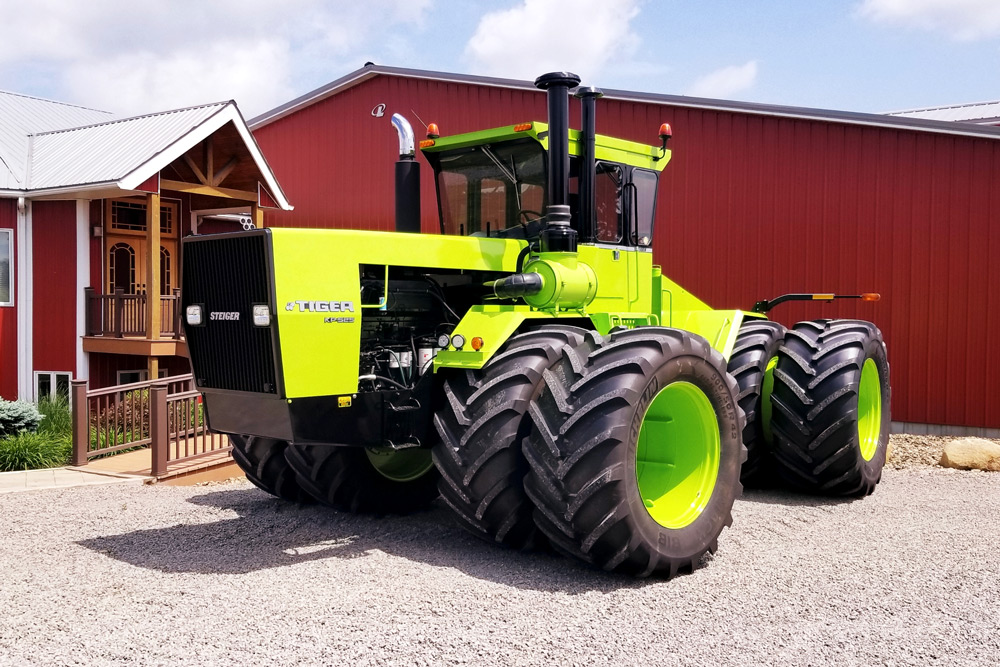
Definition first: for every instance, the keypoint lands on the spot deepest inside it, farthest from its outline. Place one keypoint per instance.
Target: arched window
(121, 268)
(164, 271)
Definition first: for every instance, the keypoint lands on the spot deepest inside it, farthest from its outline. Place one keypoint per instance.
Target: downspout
(25, 310)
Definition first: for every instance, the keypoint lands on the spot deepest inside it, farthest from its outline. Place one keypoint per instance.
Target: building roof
(119, 154)
(370, 71)
(987, 113)
(21, 116)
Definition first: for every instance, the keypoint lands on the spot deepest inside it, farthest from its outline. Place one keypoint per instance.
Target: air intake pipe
(555, 279)
(407, 178)
(558, 236)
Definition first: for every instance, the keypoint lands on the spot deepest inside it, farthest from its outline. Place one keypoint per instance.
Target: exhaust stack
(588, 162)
(407, 179)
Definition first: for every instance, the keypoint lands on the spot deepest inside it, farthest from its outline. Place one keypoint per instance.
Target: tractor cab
(494, 183)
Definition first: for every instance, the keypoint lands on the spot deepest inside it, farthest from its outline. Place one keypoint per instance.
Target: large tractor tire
(752, 363)
(635, 451)
(263, 462)
(482, 424)
(830, 401)
(365, 481)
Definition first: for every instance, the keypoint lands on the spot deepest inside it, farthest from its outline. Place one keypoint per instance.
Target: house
(92, 210)
(759, 200)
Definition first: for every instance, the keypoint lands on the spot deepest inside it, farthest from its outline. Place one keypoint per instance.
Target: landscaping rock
(971, 454)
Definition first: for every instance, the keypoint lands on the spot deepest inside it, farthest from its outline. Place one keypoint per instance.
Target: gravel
(225, 574)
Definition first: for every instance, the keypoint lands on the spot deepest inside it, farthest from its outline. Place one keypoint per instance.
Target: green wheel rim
(403, 465)
(869, 410)
(767, 388)
(677, 455)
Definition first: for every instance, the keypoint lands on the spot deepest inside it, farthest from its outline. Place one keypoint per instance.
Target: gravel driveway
(224, 574)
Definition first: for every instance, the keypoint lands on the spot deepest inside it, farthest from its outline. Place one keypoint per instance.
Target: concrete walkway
(58, 478)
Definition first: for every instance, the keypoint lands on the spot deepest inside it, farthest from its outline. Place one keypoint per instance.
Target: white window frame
(7, 239)
(53, 383)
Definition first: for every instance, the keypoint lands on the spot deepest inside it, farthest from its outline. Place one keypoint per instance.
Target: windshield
(491, 188)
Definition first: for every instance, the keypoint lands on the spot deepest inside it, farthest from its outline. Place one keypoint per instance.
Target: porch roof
(122, 154)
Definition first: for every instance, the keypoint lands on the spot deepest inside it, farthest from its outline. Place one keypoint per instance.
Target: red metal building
(758, 201)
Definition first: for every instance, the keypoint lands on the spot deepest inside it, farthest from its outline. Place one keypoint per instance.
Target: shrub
(17, 417)
(56, 418)
(29, 451)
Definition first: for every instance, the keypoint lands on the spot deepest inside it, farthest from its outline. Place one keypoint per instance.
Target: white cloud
(539, 36)
(964, 20)
(726, 82)
(131, 57)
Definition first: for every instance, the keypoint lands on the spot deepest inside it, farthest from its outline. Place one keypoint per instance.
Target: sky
(139, 56)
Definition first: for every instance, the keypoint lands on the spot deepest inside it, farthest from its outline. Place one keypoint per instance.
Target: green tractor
(530, 365)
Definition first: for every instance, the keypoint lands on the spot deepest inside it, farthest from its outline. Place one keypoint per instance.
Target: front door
(125, 246)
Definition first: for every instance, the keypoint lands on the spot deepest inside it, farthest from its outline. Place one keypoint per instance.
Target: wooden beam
(257, 215)
(211, 191)
(197, 172)
(209, 156)
(226, 169)
(152, 268)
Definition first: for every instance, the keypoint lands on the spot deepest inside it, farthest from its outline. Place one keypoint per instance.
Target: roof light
(426, 143)
(665, 131)
(522, 127)
(432, 131)
(871, 296)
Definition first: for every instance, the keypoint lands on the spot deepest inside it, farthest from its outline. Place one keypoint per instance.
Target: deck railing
(165, 415)
(120, 314)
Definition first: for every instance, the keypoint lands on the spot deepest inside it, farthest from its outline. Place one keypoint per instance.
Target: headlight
(458, 340)
(195, 315)
(261, 315)
(443, 340)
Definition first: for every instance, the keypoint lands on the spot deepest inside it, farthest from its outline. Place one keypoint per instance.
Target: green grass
(50, 447)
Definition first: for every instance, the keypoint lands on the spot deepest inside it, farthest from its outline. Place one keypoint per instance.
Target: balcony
(116, 323)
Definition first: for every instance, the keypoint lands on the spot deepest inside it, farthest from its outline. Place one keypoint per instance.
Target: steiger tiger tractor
(530, 365)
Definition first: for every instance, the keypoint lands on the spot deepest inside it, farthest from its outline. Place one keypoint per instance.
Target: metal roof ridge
(963, 105)
(47, 100)
(113, 121)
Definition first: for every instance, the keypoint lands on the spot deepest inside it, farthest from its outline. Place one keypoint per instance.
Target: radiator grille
(227, 274)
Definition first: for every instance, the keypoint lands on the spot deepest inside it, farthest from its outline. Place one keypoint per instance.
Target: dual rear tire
(830, 417)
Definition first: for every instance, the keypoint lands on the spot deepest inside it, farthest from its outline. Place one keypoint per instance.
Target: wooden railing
(122, 314)
(166, 415)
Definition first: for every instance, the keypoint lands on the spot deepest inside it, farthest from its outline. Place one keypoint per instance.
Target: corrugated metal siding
(8, 315)
(751, 206)
(53, 230)
(20, 116)
(110, 151)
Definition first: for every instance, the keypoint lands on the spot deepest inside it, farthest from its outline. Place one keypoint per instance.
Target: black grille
(228, 274)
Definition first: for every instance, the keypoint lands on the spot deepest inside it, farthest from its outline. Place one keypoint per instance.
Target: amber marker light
(432, 131)
(477, 343)
(522, 127)
(871, 296)
(665, 131)
(426, 143)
